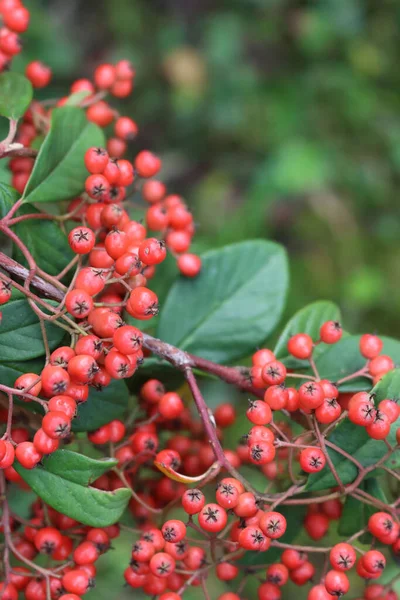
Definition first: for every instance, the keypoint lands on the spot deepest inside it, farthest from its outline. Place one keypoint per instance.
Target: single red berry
(173, 531)
(43, 443)
(276, 397)
(300, 346)
(259, 413)
(312, 460)
(274, 373)
(38, 74)
(96, 160)
(77, 581)
(379, 429)
(189, 265)
(56, 424)
(316, 525)
(293, 559)
(82, 369)
(29, 382)
(252, 538)
(125, 128)
(330, 332)
(302, 574)
(147, 164)
(162, 564)
(311, 395)
(27, 455)
(47, 540)
(170, 405)
(97, 187)
(370, 345)
(193, 501)
(337, 583)
(268, 591)
(152, 251)
(212, 518)
(273, 524)
(142, 303)
(342, 556)
(373, 561)
(78, 303)
(17, 19)
(105, 76)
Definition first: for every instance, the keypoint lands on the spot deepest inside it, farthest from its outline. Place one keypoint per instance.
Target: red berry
(273, 524)
(97, 187)
(311, 395)
(17, 19)
(300, 346)
(274, 373)
(370, 345)
(337, 583)
(78, 303)
(173, 531)
(104, 76)
(312, 460)
(96, 160)
(330, 332)
(152, 251)
(5, 291)
(38, 74)
(27, 455)
(125, 128)
(56, 425)
(212, 518)
(147, 164)
(142, 303)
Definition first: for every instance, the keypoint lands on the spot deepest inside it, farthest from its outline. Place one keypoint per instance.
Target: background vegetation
(274, 118)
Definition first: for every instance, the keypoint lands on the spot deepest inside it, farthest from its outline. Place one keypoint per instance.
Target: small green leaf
(76, 98)
(20, 333)
(232, 306)
(102, 407)
(59, 172)
(8, 197)
(62, 483)
(307, 320)
(356, 442)
(77, 467)
(47, 243)
(15, 95)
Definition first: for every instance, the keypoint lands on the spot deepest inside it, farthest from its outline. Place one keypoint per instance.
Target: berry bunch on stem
(197, 508)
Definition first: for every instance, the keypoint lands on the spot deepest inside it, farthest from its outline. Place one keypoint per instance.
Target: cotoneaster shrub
(102, 409)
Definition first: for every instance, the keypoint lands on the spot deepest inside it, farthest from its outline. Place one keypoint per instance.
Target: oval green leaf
(307, 320)
(62, 482)
(15, 95)
(102, 406)
(47, 243)
(20, 333)
(59, 172)
(232, 306)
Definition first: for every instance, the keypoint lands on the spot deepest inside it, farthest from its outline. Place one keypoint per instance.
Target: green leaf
(77, 467)
(8, 197)
(20, 333)
(232, 306)
(355, 513)
(62, 483)
(47, 243)
(356, 442)
(76, 98)
(307, 320)
(9, 371)
(102, 407)
(15, 95)
(59, 172)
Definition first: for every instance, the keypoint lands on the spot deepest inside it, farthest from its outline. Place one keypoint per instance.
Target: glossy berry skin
(273, 524)
(252, 538)
(189, 265)
(337, 583)
(311, 395)
(316, 525)
(193, 501)
(259, 413)
(81, 240)
(152, 251)
(78, 303)
(173, 531)
(27, 455)
(97, 187)
(7, 454)
(330, 332)
(278, 574)
(142, 303)
(162, 564)
(268, 591)
(380, 524)
(312, 460)
(147, 164)
(47, 540)
(274, 373)
(17, 19)
(82, 369)
(342, 556)
(373, 561)
(293, 559)
(77, 581)
(379, 429)
(56, 425)
(370, 346)
(212, 518)
(43, 443)
(38, 74)
(170, 405)
(300, 346)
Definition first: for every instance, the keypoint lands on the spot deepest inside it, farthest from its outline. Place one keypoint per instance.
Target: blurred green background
(274, 118)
